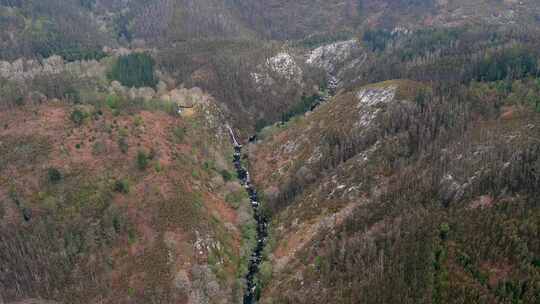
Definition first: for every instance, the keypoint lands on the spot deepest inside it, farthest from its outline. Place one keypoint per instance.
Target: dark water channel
(250, 295)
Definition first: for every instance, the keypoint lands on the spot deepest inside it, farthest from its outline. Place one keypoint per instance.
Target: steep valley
(216, 152)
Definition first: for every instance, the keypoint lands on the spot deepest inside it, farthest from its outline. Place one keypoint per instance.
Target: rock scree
(251, 294)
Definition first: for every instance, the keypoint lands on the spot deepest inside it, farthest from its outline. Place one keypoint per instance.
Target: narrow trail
(250, 296)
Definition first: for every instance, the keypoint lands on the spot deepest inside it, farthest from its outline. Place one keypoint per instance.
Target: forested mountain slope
(53, 26)
(375, 191)
(426, 186)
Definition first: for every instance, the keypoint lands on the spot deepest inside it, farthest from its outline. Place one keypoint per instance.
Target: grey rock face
(329, 56)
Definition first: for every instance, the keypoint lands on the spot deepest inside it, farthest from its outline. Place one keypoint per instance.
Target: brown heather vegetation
(73, 238)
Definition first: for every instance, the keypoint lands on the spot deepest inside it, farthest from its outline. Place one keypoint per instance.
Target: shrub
(78, 116)
(179, 134)
(227, 176)
(113, 101)
(123, 132)
(235, 198)
(265, 273)
(444, 230)
(54, 175)
(132, 234)
(27, 214)
(121, 186)
(134, 70)
(142, 160)
(123, 144)
(138, 121)
(99, 148)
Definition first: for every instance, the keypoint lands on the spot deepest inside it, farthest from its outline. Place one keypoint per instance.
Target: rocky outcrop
(284, 65)
(338, 60)
(370, 102)
(329, 56)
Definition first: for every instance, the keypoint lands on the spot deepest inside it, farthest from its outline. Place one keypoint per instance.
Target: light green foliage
(227, 176)
(119, 104)
(179, 134)
(138, 121)
(123, 132)
(236, 198)
(266, 273)
(249, 233)
(113, 101)
(158, 167)
(142, 160)
(132, 236)
(444, 230)
(121, 186)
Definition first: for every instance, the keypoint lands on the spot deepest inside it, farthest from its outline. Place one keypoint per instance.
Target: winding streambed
(250, 295)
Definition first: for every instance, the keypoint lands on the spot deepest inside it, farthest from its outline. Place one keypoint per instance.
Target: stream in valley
(250, 295)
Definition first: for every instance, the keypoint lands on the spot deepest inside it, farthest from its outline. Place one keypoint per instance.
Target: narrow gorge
(251, 294)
